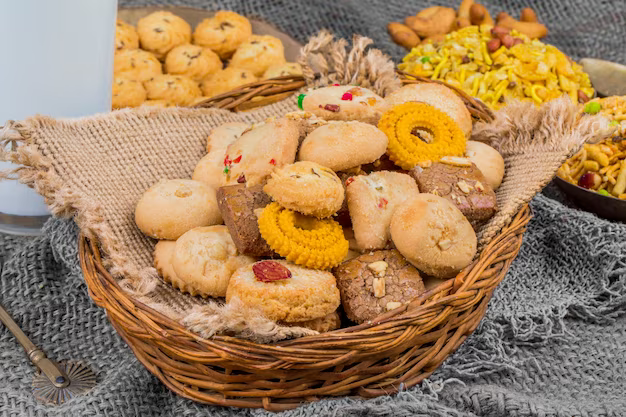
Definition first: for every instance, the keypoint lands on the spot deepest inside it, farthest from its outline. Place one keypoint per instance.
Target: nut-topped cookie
(375, 283)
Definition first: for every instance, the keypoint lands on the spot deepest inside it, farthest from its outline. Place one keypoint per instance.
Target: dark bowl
(610, 208)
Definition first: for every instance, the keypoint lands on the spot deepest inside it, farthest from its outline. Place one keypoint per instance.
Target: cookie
(343, 145)
(488, 160)
(280, 70)
(172, 207)
(204, 260)
(224, 135)
(463, 186)
(306, 187)
(192, 61)
(161, 31)
(252, 158)
(136, 64)
(372, 200)
(176, 89)
(127, 93)
(375, 283)
(258, 53)
(433, 235)
(324, 324)
(285, 292)
(239, 206)
(223, 33)
(226, 80)
(163, 251)
(125, 36)
(344, 102)
(438, 96)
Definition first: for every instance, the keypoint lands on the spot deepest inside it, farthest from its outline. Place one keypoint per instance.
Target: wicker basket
(397, 350)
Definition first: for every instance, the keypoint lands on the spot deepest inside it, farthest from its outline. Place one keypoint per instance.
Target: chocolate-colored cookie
(375, 283)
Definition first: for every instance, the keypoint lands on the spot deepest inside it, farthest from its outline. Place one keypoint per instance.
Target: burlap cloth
(550, 344)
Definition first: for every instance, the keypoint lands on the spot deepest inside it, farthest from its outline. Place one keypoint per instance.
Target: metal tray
(610, 208)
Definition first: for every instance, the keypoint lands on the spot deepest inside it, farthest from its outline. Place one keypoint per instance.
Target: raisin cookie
(285, 292)
(127, 93)
(161, 31)
(136, 64)
(163, 251)
(372, 200)
(125, 36)
(345, 102)
(226, 80)
(432, 234)
(172, 207)
(177, 89)
(343, 145)
(259, 53)
(204, 260)
(280, 70)
(192, 61)
(375, 283)
(223, 33)
(306, 187)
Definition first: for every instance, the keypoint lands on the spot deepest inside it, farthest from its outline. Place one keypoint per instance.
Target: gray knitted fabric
(552, 342)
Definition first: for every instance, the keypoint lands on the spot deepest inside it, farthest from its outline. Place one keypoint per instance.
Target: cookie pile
(352, 201)
(162, 63)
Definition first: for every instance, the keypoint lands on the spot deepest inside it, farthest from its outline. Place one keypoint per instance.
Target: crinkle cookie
(171, 207)
(306, 187)
(204, 260)
(136, 64)
(345, 102)
(223, 33)
(226, 80)
(280, 70)
(252, 158)
(125, 36)
(161, 31)
(177, 89)
(324, 324)
(192, 61)
(343, 145)
(163, 251)
(127, 93)
(375, 283)
(284, 291)
(259, 53)
(372, 200)
(432, 234)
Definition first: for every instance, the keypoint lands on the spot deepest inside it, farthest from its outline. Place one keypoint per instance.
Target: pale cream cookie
(345, 102)
(127, 93)
(125, 36)
(161, 31)
(306, 187)
(285, 292)
(223, 33)
(192, 61)
(324, 324)
(176, 89)
(226, 80)
(172, 207)
(259, 53)
(136, 64)
(488, 160)
(163, 251)
(204, 260)
(280, 70)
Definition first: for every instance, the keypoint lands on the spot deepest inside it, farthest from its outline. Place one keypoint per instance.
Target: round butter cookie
(204, 260)
(223, 33)
(136, 64)
(192, 61)
(226, 80)
(324, 324)
(259, 53)
(489, 162)
(280, 70)
(432, 234)
(284, 291)
(344, 102)
(343, 145)
(438, 96)
(161, 31)
(176, 89)
(127, 93)
(172, 207)
(125, 36)
(163, 251)
(306, 187)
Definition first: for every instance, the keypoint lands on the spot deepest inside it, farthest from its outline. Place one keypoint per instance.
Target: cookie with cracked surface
(136, 64)
(192, 61)
(223, 33)
(345, 102)
(177, 89)
(284, 291)
(374, 283)
(161, 31)
(258, 53)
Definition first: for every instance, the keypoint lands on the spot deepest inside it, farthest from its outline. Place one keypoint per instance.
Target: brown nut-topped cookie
(375, 283)
(460, 182)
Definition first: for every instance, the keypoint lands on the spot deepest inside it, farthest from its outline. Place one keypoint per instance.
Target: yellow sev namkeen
(530, 70)
(303, 240)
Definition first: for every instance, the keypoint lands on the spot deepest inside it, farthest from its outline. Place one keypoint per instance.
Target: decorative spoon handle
(36, 355)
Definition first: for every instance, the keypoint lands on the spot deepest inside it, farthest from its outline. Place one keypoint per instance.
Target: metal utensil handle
(36, 355)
